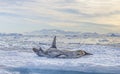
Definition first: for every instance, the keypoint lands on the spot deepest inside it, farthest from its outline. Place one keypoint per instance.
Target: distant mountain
(10, 34)
(113, 34)
(50, 32)
(68, 33)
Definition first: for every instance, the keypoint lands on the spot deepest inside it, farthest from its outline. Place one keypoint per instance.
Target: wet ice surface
(16, 57)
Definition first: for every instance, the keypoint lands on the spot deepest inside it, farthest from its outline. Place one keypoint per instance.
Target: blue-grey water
(48, 71)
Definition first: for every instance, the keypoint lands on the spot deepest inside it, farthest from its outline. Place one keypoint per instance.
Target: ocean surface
(17, 57)
(48, 71)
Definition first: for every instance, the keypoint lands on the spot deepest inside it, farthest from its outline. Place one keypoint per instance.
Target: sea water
(106, 60)
(48, 71)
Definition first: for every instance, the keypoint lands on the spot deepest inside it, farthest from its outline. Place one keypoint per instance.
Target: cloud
(66, 14)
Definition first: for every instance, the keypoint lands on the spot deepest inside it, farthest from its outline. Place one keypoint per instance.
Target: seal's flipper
(54, 43)
(40, 49)
(86, 53)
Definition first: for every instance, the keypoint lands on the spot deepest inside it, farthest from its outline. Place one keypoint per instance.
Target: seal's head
(39, 52)
(36, 50)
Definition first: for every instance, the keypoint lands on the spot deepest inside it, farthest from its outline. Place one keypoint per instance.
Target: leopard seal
(53, 52)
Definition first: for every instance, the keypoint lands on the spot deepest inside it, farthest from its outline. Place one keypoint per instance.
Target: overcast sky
(100, 16)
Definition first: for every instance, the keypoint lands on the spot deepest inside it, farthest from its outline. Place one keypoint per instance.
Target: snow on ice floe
(14, 55)
(105, 59)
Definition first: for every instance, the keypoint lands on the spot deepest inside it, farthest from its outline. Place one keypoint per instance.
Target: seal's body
(53, 52)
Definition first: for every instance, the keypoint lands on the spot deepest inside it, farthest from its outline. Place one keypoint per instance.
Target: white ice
(17, 53)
